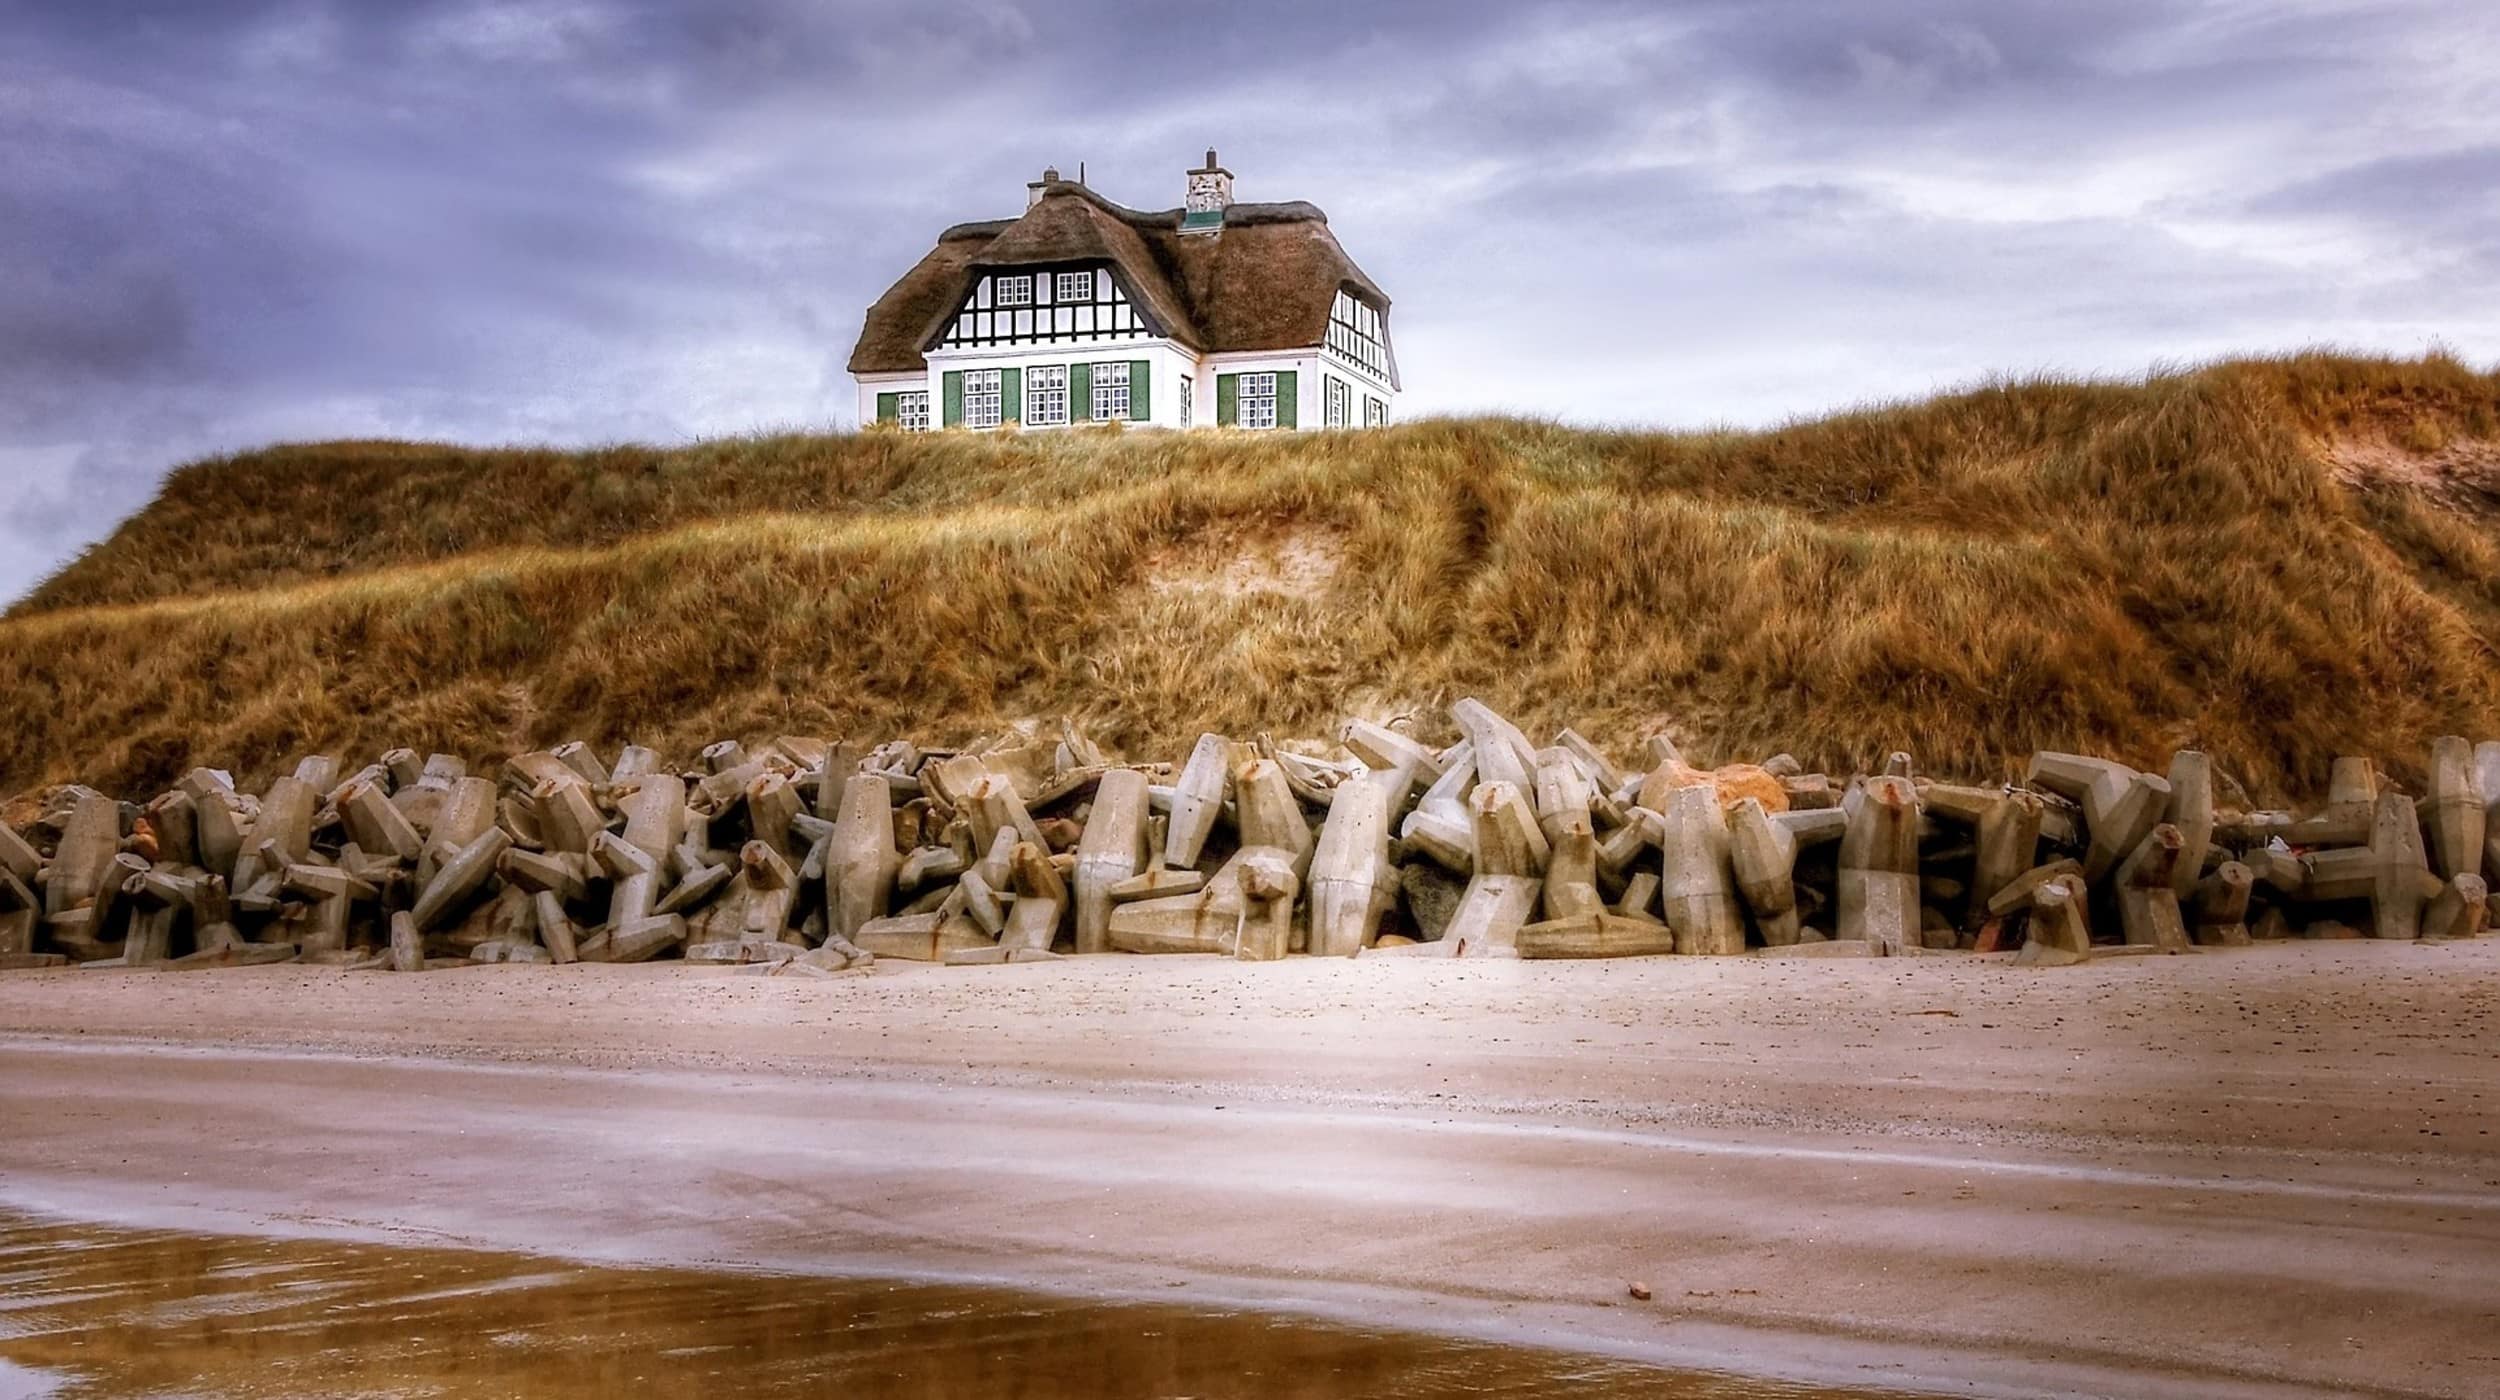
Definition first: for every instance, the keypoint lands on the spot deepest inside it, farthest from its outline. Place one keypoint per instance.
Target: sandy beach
(2265, 1172)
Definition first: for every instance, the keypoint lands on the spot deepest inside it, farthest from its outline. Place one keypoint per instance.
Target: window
(911, 411)
(1111, 390)
(1375, 412)
(1336, 401)
(1075, 286)
(1258, 400)
(982, 391)
(1046, 396)
(1189, 410)
(1015, 291)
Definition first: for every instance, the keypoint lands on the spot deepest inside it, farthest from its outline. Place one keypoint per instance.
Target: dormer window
(1016, 290)
(1076, 286)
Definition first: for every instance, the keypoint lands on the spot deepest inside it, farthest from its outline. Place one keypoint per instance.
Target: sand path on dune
(2270, 1171)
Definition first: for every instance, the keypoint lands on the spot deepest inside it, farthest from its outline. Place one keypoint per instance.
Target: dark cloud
(228, 221)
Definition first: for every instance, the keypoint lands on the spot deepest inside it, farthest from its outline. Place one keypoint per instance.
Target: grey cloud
(227, 221)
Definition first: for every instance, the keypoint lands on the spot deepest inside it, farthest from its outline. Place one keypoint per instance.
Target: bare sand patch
(1291, 561)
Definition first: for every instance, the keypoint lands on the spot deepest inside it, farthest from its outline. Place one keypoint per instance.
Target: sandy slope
(2271, 1171)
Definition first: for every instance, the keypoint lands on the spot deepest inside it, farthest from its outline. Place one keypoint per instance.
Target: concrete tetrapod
(1197, 799)
(467, 810)
(2060, 931)
(1510, 862)
(1440, 828)
(655, 821)
(2455, 810)
(2191, 810)
(1879, 896)
(1267, 813)
(1698, 882)
(2120, 805)
(1503, 754)
(1762, 849)
(2148, 900)
(84, 856)
(1352, 883)
(861, 864)
(459, 882)
(375, 825)
(2402, 878)
(2459, 910)
(1577, 923)
(2222, 905)
(1384, 750)
(1112, 849)
(1041, 900)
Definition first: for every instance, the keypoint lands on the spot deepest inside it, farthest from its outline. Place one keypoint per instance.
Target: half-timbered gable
(1082, 310)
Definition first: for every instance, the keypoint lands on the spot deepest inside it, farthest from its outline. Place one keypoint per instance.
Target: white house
(1079, 310)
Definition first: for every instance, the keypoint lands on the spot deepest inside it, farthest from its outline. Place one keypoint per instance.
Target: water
(93, 1311)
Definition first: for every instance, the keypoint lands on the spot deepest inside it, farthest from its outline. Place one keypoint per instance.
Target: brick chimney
(1210, 194)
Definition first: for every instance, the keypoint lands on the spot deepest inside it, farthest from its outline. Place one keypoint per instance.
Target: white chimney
(1210, 194)
(1033, 188)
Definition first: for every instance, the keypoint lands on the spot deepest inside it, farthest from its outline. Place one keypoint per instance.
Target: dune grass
(2120, 567)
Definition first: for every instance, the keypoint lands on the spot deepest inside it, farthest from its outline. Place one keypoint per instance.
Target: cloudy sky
(227, 222)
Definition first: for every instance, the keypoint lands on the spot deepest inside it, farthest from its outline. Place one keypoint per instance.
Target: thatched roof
(1265, 283)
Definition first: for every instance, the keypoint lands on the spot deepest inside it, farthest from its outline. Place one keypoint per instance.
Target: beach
(2265, 1171)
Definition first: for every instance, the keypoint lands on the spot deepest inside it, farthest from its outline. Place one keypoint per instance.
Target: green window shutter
(887, 411)
(954, 399)
(1141, 391)
(1080, 393)
(1011, 396)
(1227, 400)
(1288, 399)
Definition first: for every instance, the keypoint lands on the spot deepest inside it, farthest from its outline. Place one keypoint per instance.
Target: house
(1080, 310)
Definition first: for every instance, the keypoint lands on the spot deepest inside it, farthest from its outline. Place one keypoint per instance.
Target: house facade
(1214, 314)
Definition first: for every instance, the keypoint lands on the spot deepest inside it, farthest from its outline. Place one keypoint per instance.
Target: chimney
(1033, 188)
(1210, 194)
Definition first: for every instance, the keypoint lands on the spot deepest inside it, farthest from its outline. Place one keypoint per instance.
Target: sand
(2270, 1171)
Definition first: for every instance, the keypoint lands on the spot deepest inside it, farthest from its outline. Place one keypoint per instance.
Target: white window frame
(1110, 389)
(1337, 396)
(985, 397)
(1073, 286)
(911, 410)
(1375, 411)
(1255, 399)
(1016, 290)
(1046, 396)
(1189, 406)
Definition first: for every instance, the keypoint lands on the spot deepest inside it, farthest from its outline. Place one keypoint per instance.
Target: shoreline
(1874, 1173)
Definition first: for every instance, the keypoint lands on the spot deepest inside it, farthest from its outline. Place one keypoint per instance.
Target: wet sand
(2266, 1172)
(100, 1313)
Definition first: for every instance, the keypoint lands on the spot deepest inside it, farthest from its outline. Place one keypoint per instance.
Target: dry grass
(2117, 567)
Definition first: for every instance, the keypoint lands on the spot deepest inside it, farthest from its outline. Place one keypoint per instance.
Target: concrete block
(460, 881)
(1506, 836)
(1352, 884)
(1878, 883)
(2222, 905)
(2455, 810)
(1441, 829)
(2191, 810)
(1112, 849)
(2148, 902)
(1197, 800)
(1697, 884)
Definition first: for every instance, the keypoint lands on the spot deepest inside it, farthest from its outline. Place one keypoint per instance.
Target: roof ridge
(1247, 212)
